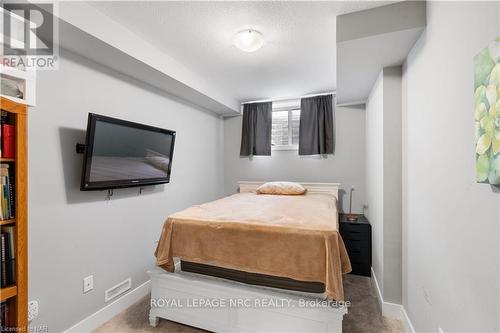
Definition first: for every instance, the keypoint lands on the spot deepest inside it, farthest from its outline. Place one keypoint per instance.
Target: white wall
(375, 174)
(452, 222)
(392, 184)
(73, 234)
(346, 166)
(383, 178)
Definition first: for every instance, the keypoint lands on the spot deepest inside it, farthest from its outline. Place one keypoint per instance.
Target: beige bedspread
(290, 236)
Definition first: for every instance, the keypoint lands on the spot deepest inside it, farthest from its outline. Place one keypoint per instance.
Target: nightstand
(357, 237)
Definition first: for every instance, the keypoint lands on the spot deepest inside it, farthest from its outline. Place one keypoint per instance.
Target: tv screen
(121, 153)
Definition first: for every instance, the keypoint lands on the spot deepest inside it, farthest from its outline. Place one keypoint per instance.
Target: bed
(285, 242)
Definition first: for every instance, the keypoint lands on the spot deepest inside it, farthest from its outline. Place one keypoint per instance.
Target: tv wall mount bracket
(80, 148)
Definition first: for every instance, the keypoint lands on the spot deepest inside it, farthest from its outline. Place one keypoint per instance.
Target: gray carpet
(364, 314)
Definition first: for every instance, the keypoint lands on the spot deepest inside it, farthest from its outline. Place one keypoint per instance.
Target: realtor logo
(29, 35)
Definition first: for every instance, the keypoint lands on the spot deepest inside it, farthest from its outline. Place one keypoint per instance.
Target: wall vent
(117, 290)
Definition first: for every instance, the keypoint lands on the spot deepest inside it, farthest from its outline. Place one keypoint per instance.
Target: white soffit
(86, 31)
(370, 40)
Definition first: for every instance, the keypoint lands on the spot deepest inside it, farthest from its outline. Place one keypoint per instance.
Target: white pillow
(283, 188)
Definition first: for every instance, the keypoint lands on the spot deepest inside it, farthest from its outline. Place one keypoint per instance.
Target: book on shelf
(4, 116)
(8, 141)
(7, 256)
(7, 183)
(7, 136)
(10, 231)
(3, 258)
(4, 315)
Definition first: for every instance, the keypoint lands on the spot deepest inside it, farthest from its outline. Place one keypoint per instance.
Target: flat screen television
(120, 153)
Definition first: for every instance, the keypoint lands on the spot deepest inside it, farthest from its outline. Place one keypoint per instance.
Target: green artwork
(487, 113)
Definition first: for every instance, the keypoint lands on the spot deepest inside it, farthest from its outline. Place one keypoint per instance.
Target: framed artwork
(487, 113)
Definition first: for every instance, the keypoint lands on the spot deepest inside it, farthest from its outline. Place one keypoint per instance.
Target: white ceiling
(298, 57)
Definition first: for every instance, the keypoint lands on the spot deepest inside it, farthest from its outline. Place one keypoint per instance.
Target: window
(285, 129)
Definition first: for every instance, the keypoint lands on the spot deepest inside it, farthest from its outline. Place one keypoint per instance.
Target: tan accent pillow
(283, 188)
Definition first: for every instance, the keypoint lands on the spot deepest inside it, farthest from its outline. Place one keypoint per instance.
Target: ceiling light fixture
(248, 40)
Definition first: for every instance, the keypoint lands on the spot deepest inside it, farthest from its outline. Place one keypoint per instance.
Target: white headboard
(325, 188)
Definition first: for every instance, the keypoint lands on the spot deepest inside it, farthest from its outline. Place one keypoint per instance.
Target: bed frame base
(187, 288)
(153, 320)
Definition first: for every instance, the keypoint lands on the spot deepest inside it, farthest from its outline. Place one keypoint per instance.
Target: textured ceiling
(298, 57)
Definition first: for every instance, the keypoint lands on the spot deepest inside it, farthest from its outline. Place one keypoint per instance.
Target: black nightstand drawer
(357, 240)
(361, 269)
(358, 257)
(357, 245)
(355, 227)
(356, 235)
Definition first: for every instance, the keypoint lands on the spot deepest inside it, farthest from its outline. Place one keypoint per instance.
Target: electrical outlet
(88, 283)
(32, 310)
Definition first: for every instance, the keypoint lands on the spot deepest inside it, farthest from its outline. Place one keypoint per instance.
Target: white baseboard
(109, 311)
(393, 310)
(406, 321)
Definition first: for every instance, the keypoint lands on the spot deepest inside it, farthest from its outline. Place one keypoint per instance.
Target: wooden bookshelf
(8, 292)
(17, 294)
(7, 222)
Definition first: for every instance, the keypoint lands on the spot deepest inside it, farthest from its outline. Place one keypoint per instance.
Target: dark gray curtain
(256, 130)
(316, 125)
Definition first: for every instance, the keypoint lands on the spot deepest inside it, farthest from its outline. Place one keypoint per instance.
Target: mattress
(293, 237)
